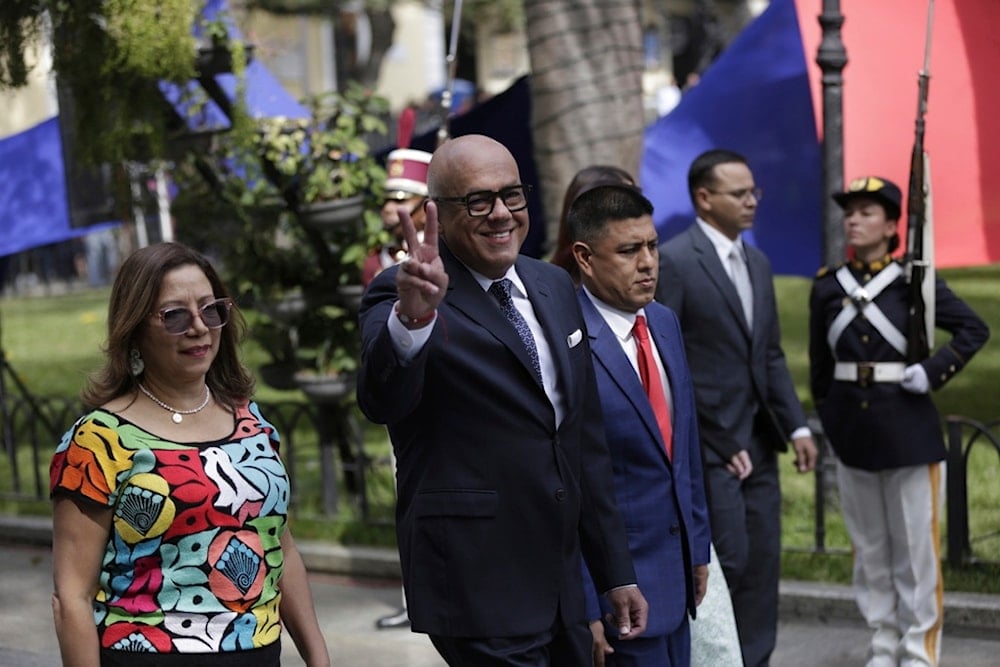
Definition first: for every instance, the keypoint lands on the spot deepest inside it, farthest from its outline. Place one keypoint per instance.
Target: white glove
(915, 380)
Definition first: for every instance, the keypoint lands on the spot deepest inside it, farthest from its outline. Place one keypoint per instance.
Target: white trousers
(893, 519)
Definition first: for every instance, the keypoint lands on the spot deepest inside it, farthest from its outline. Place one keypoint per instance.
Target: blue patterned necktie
(500, 290)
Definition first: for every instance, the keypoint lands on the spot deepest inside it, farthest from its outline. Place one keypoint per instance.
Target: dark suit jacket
(494, 501)
(739, 377)
(662, 501)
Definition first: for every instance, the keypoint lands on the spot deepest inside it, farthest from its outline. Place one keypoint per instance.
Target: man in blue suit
(475, 358)
(658, 475)
(748, 411)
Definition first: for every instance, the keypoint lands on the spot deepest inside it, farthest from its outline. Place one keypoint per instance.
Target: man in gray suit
(722, 291)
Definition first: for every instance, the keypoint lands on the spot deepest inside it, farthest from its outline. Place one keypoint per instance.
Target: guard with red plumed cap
(405, 188)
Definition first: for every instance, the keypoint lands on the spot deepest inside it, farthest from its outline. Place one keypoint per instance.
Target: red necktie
(651, 382)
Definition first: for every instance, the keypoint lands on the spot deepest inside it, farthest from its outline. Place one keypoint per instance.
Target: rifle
(919, 236)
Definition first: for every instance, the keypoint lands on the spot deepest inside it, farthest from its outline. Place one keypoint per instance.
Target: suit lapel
(609, 354)
(548, 314)
(467, 296)
(758, 285)
(710, 263)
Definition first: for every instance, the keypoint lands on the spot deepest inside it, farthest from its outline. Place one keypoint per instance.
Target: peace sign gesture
(421, 280)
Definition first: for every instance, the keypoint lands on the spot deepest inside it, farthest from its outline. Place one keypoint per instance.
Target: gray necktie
(741, 279)
(500, 290)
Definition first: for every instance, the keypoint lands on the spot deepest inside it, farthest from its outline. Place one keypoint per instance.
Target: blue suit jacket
(495, 502)
(661, 501)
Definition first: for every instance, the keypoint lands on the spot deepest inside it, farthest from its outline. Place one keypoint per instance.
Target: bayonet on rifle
(919, 234)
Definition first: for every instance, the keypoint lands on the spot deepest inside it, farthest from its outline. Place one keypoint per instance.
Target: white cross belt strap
(863, 298)
(869, 371)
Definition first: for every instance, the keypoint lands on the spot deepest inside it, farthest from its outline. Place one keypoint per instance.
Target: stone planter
(279, 375)
(325, 388)
(332, 213)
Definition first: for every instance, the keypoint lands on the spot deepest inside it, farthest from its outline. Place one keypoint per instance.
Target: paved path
(348, 607)
(347, 610)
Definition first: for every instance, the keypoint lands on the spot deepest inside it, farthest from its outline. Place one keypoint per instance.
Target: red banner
(885, 51)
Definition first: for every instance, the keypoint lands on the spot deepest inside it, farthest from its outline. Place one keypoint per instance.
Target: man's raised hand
(421, 281)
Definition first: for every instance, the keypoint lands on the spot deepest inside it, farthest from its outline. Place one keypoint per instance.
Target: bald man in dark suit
(477, 360)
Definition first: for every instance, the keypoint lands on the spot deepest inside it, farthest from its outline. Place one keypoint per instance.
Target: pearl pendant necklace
(177, 417)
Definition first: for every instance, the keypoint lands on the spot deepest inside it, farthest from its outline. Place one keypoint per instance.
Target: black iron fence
(963, 434)
(825, 493)
(330, 463)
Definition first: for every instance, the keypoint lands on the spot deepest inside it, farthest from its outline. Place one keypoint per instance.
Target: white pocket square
(574, 338)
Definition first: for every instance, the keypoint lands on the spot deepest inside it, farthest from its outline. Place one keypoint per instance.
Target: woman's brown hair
(133, 298)
(562, 255)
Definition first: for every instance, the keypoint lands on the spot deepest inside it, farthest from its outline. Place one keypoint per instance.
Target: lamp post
(832, 57)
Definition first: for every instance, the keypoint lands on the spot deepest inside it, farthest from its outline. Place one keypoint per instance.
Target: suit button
(864, 405)
(864, 338)
(560, 495)
(675, 529)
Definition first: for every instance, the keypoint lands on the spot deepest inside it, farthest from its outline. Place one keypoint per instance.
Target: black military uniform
(871, 423)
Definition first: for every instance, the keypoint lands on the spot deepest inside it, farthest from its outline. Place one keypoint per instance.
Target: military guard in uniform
(405, 188)
(879, 418)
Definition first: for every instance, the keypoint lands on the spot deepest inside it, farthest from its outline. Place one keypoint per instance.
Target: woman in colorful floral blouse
(170, 499)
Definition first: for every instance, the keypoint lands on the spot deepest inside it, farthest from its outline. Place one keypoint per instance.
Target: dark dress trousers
(496, 502)
(746, 400)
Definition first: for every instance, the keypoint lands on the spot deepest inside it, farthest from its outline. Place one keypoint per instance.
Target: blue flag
(35, 211)
(754, 99)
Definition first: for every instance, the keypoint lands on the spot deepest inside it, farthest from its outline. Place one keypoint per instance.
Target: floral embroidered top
(194, 558)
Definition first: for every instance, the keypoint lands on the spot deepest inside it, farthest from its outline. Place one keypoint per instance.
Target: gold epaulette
(824, 270)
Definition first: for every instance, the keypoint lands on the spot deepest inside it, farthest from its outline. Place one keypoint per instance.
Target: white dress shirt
(621, 323)
(723, 245)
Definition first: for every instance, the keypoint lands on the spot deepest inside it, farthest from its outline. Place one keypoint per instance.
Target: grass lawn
(53, 342)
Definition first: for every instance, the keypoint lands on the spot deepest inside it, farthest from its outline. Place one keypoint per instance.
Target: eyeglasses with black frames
(480, 203)
(215, 315)
(741, 194)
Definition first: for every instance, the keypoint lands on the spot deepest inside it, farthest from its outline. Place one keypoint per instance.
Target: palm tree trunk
(586, 87)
